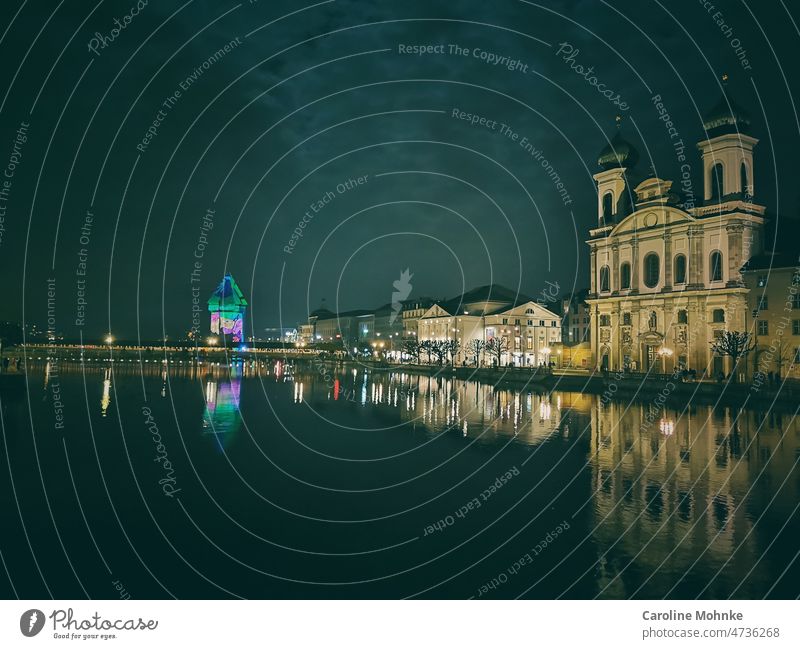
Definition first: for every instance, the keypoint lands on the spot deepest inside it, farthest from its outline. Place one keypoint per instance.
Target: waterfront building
(389, 324)
(575, 318)
(665, 268)
(411, 313)
(305, 333)
(227, 307)
(773, 281)
(528, 330)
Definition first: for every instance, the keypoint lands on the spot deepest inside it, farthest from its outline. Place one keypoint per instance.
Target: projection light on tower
(227, 307)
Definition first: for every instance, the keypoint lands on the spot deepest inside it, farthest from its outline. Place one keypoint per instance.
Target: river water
(292, 480)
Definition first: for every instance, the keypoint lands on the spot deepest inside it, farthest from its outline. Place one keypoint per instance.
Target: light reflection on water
(683, 502)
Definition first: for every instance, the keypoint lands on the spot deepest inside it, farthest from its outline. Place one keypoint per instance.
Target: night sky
(260, 110)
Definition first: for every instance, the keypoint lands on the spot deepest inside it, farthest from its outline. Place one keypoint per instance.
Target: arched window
(608, 205)
(683, 317)
(625, 275)
(743, 180)
(652, 269)
(604, 280)
(680, 269)
(717, 186)
(715, 267)
(718, 315)
(652, 321)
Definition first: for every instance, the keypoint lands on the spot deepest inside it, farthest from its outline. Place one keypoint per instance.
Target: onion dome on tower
(727, 116)
(614, 198)
(619, 153)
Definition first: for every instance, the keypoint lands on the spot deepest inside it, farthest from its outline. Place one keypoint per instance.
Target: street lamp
(109, 340)
(212, 340)
(664, 352)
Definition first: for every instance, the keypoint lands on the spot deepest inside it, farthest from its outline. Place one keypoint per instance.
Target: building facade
(773, 282)
(528, 330)
(575, 318)
(665, 272)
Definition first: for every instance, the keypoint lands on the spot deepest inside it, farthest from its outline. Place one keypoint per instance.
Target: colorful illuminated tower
(227, 306)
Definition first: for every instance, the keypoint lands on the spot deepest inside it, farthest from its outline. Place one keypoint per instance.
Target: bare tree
(413, 348)
(736, 344)
(476, 346)
(427, 347)
(439, 349)
(451, 348)
(496, 347)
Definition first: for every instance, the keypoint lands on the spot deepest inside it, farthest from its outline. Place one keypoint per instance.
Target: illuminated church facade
(665, 271)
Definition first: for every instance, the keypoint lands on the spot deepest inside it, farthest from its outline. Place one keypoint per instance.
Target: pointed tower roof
(227, 296)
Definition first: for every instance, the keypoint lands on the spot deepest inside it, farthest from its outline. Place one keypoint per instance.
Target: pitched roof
(227, 295)
(322, 314)
(771, 260)
(481, 300)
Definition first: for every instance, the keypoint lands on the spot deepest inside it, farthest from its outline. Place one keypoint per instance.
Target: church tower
(666, 277)
(616, 159)
(727, 152)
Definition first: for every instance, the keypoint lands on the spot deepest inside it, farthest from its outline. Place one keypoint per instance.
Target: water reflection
(687, 495)
(441, 403)
(221, 418)
(681, 502)
(105, 400)
(665, 502)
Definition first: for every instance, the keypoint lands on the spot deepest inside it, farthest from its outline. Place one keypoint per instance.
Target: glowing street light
(109, 339)
(212, 340)
(664, 353)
